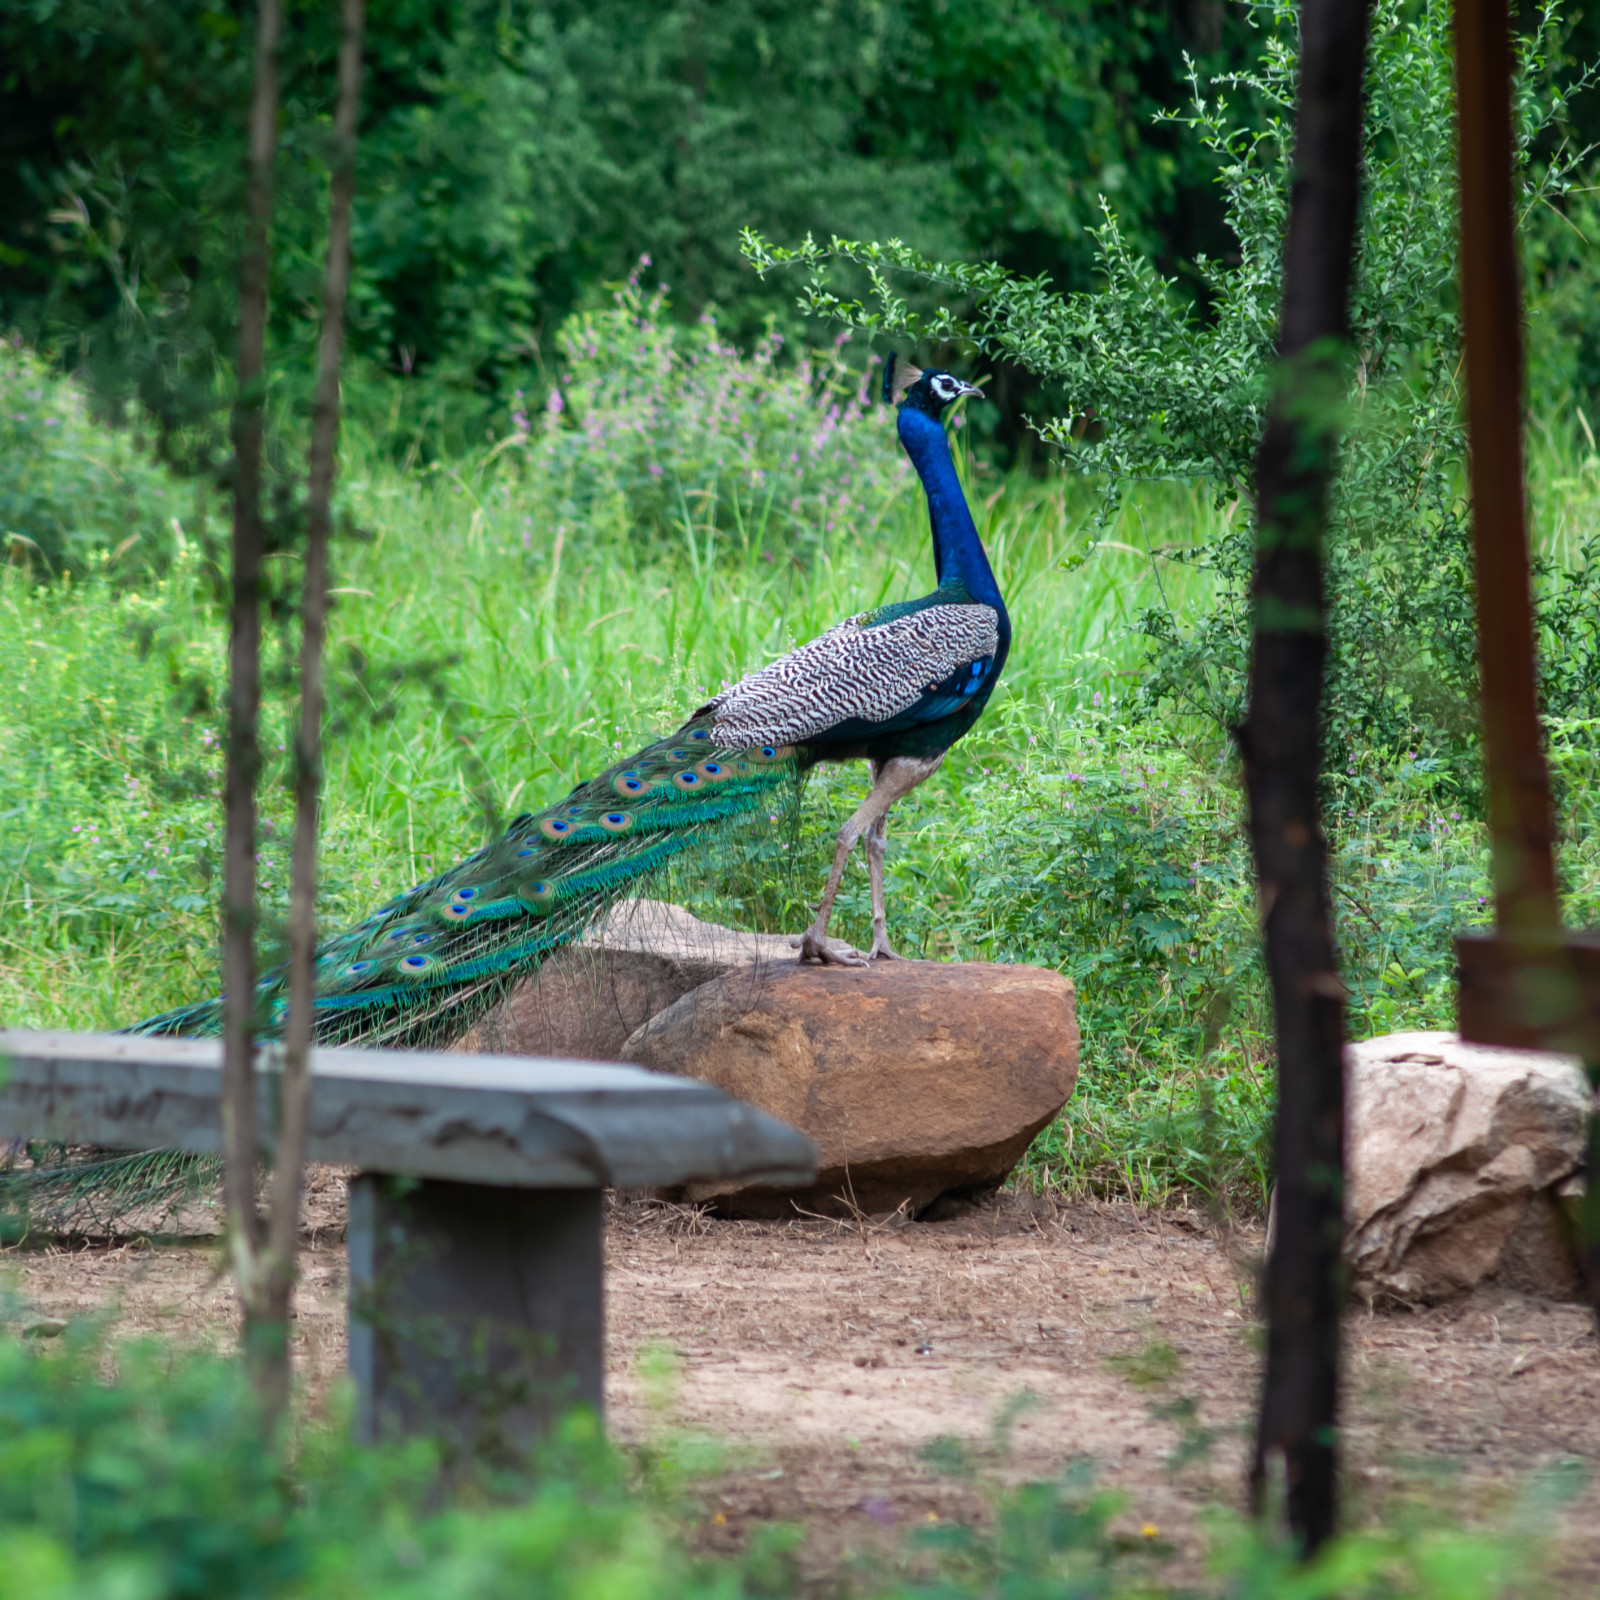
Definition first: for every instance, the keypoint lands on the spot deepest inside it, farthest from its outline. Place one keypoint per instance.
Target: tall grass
(484, 660)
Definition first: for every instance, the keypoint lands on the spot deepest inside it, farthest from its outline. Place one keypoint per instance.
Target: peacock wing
(863, 670)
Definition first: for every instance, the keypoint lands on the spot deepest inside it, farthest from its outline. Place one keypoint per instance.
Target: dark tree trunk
(240, 1136)
(1281, 743)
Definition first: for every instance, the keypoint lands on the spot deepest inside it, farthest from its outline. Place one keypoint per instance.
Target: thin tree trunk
(1281, 743)
(278, 1274)
(240, 1136)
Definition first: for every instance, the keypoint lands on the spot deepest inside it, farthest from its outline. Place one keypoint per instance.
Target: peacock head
(929, 391)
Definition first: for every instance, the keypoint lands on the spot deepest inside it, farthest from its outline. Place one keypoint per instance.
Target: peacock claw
(882, 952)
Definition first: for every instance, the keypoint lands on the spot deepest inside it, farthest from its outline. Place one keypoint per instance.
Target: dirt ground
(828, 1357)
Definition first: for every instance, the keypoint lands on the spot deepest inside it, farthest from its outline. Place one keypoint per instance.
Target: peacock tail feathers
(422, 968)
(53, 1190)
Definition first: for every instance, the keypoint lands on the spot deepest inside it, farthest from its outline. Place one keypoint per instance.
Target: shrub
(160, 1484)
(73, 490)
(515, 158)
(686, 440)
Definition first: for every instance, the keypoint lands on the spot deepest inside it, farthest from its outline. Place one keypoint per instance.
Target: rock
(1456, 1154)
(921, 1077)
(584, 1002)
(915, 1078)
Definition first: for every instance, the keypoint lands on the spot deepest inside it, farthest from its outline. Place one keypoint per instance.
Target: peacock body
(896, 686)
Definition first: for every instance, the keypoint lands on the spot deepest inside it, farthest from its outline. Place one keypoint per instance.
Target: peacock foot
(880, 951)
(813, 946)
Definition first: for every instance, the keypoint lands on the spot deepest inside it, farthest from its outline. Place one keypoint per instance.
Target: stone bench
(476, 1309)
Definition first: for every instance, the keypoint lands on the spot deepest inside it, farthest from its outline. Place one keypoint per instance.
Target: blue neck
(957, 552)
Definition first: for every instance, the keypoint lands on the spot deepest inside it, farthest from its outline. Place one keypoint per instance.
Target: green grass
(484, 659)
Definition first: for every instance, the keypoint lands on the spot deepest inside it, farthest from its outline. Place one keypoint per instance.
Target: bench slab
(512, 1121)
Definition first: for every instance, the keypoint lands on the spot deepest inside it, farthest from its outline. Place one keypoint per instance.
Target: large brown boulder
(915, 1078)
(585, 1001)
(1459, 1156)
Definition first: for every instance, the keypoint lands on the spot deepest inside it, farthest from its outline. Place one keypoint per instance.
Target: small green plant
(162, 1483)
(157, 1481)
(1153, 1367)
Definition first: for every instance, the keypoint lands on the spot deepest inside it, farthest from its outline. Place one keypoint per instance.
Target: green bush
(162, 1485)
(74, 494)
(517, 158)
(1061, 831)
(677, 436)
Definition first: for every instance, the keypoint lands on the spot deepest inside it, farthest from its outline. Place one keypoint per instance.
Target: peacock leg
(876, 841)
(891, 781)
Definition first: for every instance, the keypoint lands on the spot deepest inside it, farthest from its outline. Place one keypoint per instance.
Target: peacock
(895, 686)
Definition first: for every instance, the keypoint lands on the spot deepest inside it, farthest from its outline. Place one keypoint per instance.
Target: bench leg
(476, 1313)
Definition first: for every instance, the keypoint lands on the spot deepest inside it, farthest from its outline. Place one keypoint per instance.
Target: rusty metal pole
(1515, 986)
(1521, 817)
(1523, 984)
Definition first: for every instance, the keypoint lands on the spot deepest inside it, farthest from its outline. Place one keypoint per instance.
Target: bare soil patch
(828, 1357)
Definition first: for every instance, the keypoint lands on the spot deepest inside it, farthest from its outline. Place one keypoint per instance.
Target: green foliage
(109, 770)
(517, 617)
(515, 157)
(71, 490)
(514, 619)
(674, 434)
(159, 1483)
(1070, 1539)
(1158, 392)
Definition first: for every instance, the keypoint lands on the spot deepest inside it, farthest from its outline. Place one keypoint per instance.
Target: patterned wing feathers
(866, 671)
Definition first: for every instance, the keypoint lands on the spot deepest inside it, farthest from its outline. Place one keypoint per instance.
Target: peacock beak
(966, 389)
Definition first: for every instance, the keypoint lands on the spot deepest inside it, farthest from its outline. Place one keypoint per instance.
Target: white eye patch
(946, 388)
